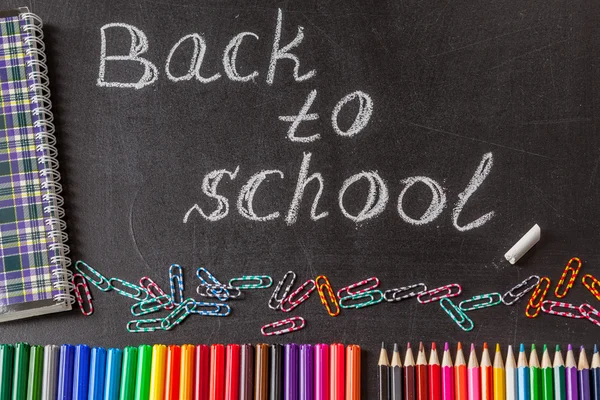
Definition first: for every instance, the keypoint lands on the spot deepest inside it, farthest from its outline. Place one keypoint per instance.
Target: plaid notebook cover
(25, 268)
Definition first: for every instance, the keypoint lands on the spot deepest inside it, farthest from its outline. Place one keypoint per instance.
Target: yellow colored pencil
(499, 376)
(186, 382)
(157, 372)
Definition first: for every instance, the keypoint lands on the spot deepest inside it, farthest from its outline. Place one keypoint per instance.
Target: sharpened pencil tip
(485, 345)
(408, 345)
(472, 346)
(421, 347)
(557, 347)
(595, 348)
(522, 347)
(459, 346)
(396, 347)
(569, 347)
(433, 346)
(545, 347)
(497, 347)
(446, 347)
(383, 345)
(582, 348)
(532, 346)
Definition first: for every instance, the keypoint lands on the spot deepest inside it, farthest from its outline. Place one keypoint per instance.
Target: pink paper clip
(295, 324)
(291, 298)
(590, 313)
(153, 289)
(349, 289)
(548, 306)
(86, 291)
(433, 292)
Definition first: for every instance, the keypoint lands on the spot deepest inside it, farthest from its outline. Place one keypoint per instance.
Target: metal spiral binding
(51, 188)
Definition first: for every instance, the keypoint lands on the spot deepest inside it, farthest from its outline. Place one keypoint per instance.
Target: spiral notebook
(34, 275)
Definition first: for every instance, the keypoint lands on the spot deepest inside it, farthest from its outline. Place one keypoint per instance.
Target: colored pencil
(21, 371)
(246, 372)
(595, 371)
(217, 372)
(97, 373)
(337, 363)
(261, 372)
(64, 389)
(383, 374)
(275, 369)
(7, 355)
(523, 375)
(487, 374)
(36, 371)
(157, 372)
(81, 372)
(512, 392)
(173, 372)
(232, 371)
(128, 371)
(461, 385)
(547, 384)
(421, 373)
(114, 360)
(51, 358)
(447, 374)
(396, 375)
(290, 371)
(571, 375)
(410, 384)
(143, 372)
(535, 375)
(321, 371)
(473, 375)
(434, 375)
(186, 380)
(201, 372)
(307, 376)
(559, 376)
(583, 375)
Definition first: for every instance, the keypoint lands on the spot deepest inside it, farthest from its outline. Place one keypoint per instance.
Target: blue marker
(97, 371)
(113, 374)
(65, 372)
(523, 375)
(81, 374)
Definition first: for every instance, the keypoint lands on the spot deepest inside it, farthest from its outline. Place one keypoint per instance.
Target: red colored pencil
(410, 390)
(434, 372)
(460, 374)
(201, 372)
(487, 375)
(217, 372)
(173, 373)
(421, 373)
(336, 371)
(232, 372)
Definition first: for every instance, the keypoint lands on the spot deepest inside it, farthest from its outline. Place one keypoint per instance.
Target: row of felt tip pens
(525, 379)
(186, 372)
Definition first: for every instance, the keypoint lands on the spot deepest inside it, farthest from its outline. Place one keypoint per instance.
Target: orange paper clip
(321, 287)
(571, 282)
(593, 286)
(537, 298)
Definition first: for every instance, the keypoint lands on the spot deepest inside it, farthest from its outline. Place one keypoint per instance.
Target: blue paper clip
(476, 303)
(135, 292)
(252, 282)
(462, 320)
(373, 296)
(95, 277)
(151, 305)
(196, 308)
(178, 314)
(176, 282)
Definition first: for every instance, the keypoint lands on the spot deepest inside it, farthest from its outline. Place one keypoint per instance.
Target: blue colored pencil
(97, 372)
(65, 372)
(81, 372)
(113, 374)
(522, 375)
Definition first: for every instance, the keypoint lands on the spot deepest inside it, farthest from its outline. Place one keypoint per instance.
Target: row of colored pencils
(525, 379)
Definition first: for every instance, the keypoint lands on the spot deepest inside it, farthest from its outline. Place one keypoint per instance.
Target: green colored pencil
(7, 354)
(535, 376)
(128, 372)
(36, 369)
(560, 387)
(20, 371)
(144, 365)
(547, 383)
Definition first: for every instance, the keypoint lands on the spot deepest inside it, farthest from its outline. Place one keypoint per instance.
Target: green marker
(20, 371)
(547, 381)
(144, 365)
(560, 388)
(36, 368)
(7, 354)
(535, 376)
(128, 372)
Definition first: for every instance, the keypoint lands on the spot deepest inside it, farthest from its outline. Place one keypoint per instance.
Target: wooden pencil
(460, 375)
(447, 375)
(396, 375)
(499, 375)
(383, 368)
(487, 375)
(410, 390)
(473, 376)
(434, 375)
(510, 370)
(421, 374)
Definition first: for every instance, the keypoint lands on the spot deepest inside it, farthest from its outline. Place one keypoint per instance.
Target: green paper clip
(374, 296)
(145, 325)
(151, 305)
(178, 314)
(96, 278)
(136, 293)
(475, 303)
(262, 282)
(462, 320)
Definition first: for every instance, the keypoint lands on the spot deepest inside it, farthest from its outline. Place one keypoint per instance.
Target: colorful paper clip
(462, 320)
(520, 290)
(154, 290)
(291, 299)
(403, 293)
(446, 290)
(364, 286)
(145, 325)
(216, 288)
(209, 309)
(95, 277)
(86, 307)
(151, 305)
(220, 292)
(330, 293)
(590, 313)
(537, 298)
(549, 306)
(176, 283)
(480, 301)
(373, 296)
(563, 277)
(128, 289)
(593, 286)
(276, 300)
(295, 324)
(252, 282)
(179, 313)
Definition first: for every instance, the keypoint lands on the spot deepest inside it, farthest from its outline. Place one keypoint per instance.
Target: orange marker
(186, 383)
(172, 378)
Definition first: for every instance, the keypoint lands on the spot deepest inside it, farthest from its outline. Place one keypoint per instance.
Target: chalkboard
(482, 117)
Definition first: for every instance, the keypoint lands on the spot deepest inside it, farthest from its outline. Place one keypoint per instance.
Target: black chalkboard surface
(185, 128)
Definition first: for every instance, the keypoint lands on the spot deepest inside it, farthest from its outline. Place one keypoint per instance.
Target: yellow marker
(157, 374)
(186, 381)
(499, 376)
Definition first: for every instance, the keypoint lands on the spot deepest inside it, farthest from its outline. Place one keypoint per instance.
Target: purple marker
(290, 372)
(307, 374)
(571, 375)
(583, 371)
(322, 372)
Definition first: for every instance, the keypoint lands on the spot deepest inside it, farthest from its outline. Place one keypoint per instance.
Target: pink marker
(447, 375)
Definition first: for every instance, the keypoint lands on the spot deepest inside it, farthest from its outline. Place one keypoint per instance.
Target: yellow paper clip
(574, 272)
(321, 287)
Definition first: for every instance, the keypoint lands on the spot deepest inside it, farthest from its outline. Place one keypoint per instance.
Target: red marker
(232, 372)
(336, 371)
(201, 372)
(173, 373)
(434, 374)
(217, 372)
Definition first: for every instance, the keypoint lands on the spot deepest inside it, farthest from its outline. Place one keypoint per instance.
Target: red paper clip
(295, 324)
(154, 290)
(538, 295)
(291, 298)
(590, 313)
(433, 292)
(548, 306)
(330, 293)
(86, 291)
(349, 289)
(571, 282)
(593, 287)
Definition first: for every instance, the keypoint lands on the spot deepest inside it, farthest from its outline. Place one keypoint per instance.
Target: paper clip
(433, 292)
(252, 282)
(154, 290)
(548, 306)
(330, 293)
(135, 292)
(151, 305)
(523, 288)
(276, 300)
(295, 324)
(373, 296)
(291, 299)
(86, 292)
(196, 308)
(145, 325)
(221, 292)
(592, 286)
(589, 313)
(399, 294)
(218, 290)
(176, 283)
(574, 272)
(179, 313)
(462, 320)
(95, 277)
(537, 298)
(349, 289)
(476, 303)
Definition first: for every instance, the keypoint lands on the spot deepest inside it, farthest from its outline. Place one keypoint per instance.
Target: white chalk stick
(523, 245)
